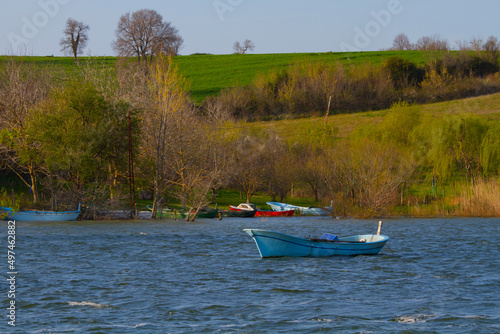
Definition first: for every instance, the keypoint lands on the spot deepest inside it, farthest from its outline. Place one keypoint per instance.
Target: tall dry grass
(482, 199)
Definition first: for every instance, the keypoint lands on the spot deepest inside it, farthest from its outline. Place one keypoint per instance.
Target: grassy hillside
(208, 74)
(487, 106)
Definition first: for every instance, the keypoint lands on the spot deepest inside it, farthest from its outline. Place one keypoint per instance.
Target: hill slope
(209, 74)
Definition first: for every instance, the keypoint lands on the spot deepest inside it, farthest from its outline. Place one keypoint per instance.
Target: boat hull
(238, 214)
(275, 244)
(300, 210)
(176, 214)
(45, 216)
(263, 213)
(183, 214)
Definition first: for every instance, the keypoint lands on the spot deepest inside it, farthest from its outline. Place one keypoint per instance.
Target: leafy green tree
(22, 86)
(20, 154)
(453, 145)
(81, 136)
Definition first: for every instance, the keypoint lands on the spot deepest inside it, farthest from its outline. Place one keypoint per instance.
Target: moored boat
(175, 214)
(36, 215)
(301, 210)
(276, 244)
(262, 213)
(238, 214)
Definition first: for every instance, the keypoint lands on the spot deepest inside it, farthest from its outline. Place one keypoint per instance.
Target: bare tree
(241, 49)
(250, 163)
(476, 44)
(281, 172)
(75, 37)
(185, 150)
(401, 42)
(432, 43)
(491, 45)
(22, 85)
(144, 34)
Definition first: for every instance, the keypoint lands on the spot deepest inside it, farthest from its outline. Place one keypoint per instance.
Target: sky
(34, 27)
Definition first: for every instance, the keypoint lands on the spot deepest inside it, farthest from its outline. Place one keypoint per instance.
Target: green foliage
(403, 72)
(80, 134)
(6, 201)
(209, 74)
(490, 149)
(316, 135)
(453, 144)
(482, 67)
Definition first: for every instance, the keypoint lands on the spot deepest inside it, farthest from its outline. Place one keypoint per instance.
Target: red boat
(261, 213)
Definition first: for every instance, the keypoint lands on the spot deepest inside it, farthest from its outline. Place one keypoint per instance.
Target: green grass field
(208, 74)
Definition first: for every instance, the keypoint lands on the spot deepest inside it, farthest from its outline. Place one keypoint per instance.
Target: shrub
(403, 72)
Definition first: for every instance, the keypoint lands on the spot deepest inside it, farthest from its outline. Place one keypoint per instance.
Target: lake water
(435, 276)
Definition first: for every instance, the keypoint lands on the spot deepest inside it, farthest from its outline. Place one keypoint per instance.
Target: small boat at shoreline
(237, 214)
(262, 213)
(276, 244)
(300, 210)
(175, 214)
(46, 216)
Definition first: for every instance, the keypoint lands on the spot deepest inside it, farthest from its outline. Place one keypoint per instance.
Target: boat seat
(329, 237)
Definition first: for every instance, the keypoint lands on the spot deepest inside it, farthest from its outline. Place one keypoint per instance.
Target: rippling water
(435, 276)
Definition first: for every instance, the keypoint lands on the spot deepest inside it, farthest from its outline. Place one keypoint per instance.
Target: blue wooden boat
(275, 244)
(300, 210)
(35, 215)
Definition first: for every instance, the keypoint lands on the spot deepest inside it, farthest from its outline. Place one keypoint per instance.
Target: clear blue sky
(34, 27)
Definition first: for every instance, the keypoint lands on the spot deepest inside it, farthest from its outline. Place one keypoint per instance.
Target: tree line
(66, 140)
(66, 137)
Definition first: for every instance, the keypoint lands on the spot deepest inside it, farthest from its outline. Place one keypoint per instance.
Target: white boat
(301, 210)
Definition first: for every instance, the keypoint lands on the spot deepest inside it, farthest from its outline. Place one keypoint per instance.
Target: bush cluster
(305, 89)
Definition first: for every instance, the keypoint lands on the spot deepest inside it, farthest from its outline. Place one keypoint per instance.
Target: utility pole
(131, 169)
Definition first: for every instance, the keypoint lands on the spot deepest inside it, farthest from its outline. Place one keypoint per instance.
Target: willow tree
(490, 149)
